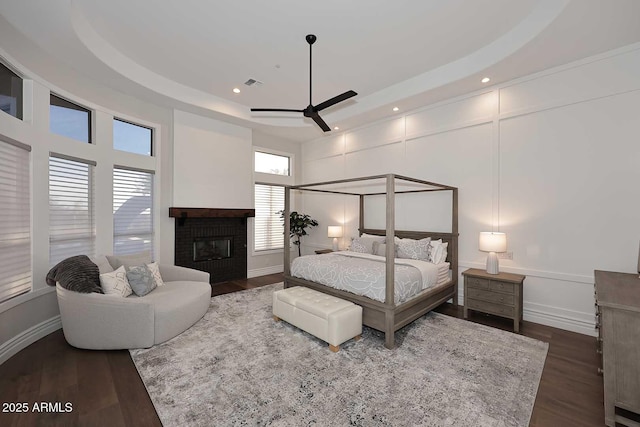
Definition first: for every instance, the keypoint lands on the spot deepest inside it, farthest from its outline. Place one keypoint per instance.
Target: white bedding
(364, 274)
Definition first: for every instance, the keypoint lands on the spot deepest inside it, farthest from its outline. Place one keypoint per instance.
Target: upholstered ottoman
(329, 318)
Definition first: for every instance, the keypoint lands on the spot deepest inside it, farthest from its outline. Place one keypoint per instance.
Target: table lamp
(492, 242)
(334, 231)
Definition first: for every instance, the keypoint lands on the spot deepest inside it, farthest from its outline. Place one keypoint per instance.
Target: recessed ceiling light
(485, 80)
(336, 128)
(236, 90)
(395, 109)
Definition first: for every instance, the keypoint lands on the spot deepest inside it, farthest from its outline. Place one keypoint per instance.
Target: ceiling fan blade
(342, 97)
(277, 109)
(325, 127)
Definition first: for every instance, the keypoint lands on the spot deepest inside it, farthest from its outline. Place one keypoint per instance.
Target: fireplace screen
(210, 248)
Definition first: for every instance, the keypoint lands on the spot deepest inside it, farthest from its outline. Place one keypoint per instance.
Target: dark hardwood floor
(105, 389)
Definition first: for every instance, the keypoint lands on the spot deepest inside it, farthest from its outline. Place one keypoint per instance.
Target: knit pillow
(76, 273)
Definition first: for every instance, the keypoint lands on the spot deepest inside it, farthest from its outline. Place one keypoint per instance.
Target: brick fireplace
(212, 240)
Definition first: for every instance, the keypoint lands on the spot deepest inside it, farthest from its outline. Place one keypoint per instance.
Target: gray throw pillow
(141, 280)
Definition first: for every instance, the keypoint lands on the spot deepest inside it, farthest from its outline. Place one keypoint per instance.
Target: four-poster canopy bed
(386, 316)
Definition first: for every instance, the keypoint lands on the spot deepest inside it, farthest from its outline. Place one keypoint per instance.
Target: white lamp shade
(334, 231)
(492, 241)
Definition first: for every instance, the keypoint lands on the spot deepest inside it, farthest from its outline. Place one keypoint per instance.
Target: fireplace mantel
(210, 213)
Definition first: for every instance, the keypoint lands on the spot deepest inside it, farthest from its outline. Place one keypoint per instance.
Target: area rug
(238, 367)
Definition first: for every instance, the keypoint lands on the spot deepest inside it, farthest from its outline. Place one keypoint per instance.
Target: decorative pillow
(141, 280)
(130, 260)
(357, 245)
(381, 249)
(413, 249)
(155, 270)
(437, 251)
(102, 262)
(116, 283)
(76, 273)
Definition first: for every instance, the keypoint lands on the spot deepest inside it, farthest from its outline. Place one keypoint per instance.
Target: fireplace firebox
(210, 248)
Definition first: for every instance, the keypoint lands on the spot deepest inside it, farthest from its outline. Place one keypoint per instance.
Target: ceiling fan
(312, 111)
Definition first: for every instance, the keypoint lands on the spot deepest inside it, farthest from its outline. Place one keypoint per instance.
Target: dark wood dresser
(618, 323)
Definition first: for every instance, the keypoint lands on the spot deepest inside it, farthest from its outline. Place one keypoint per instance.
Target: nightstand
(324, 251)
(499, 294)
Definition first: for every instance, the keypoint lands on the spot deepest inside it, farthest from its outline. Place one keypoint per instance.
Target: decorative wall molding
(560, 318)
(28, 337)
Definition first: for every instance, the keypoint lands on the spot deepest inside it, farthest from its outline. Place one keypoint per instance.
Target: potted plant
(298, 224)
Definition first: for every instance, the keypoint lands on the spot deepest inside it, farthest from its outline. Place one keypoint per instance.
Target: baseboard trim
(257, 272)
(28, 337)
(561, 319)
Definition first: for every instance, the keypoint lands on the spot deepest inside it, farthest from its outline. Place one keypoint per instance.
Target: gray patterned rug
(237, 367)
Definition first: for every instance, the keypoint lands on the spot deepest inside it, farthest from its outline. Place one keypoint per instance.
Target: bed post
(361, 216)
(454, 240)
(287, 228)
(389, 301)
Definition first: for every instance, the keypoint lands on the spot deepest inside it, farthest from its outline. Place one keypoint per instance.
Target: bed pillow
(359, 246)
(141, 279)
(116, 283)
(367, 241)
(437, 251)
(413, 249)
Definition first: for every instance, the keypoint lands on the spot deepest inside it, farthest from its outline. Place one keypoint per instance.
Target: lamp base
(492, 263)
(335, 244)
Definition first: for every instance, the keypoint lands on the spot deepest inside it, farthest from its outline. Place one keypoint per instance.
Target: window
(132, 138)
(15, 220)
(269, 231)
(10, 92)
(69, 119)
(132, 211)
(71, 209)
(272, 163)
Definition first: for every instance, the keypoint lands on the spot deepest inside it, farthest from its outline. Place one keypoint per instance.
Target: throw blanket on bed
(77, 274)
(365, 274)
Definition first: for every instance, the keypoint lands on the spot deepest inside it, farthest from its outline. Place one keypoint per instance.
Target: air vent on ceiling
(253, 82)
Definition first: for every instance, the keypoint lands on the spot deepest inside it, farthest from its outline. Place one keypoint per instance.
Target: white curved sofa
(104, 322)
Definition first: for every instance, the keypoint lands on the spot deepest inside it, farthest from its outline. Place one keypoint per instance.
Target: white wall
(551, 159)
(212, 163)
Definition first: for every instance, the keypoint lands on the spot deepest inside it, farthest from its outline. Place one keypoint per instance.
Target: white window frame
(11, 239)
(270, 179)
(87, 234)
(152, 214)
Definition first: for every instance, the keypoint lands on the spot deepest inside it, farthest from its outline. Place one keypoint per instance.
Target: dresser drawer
(501, 286)
(491, 296)
(489, 307)
(475, 282)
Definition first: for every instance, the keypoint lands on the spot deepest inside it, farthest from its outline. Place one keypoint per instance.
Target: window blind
(132, 211)
(268, 229)
(71, 209)
(15, 221)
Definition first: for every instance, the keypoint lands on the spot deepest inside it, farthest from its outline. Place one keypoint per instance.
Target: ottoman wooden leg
(276, 318)
(357, 337)
(334, 348)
